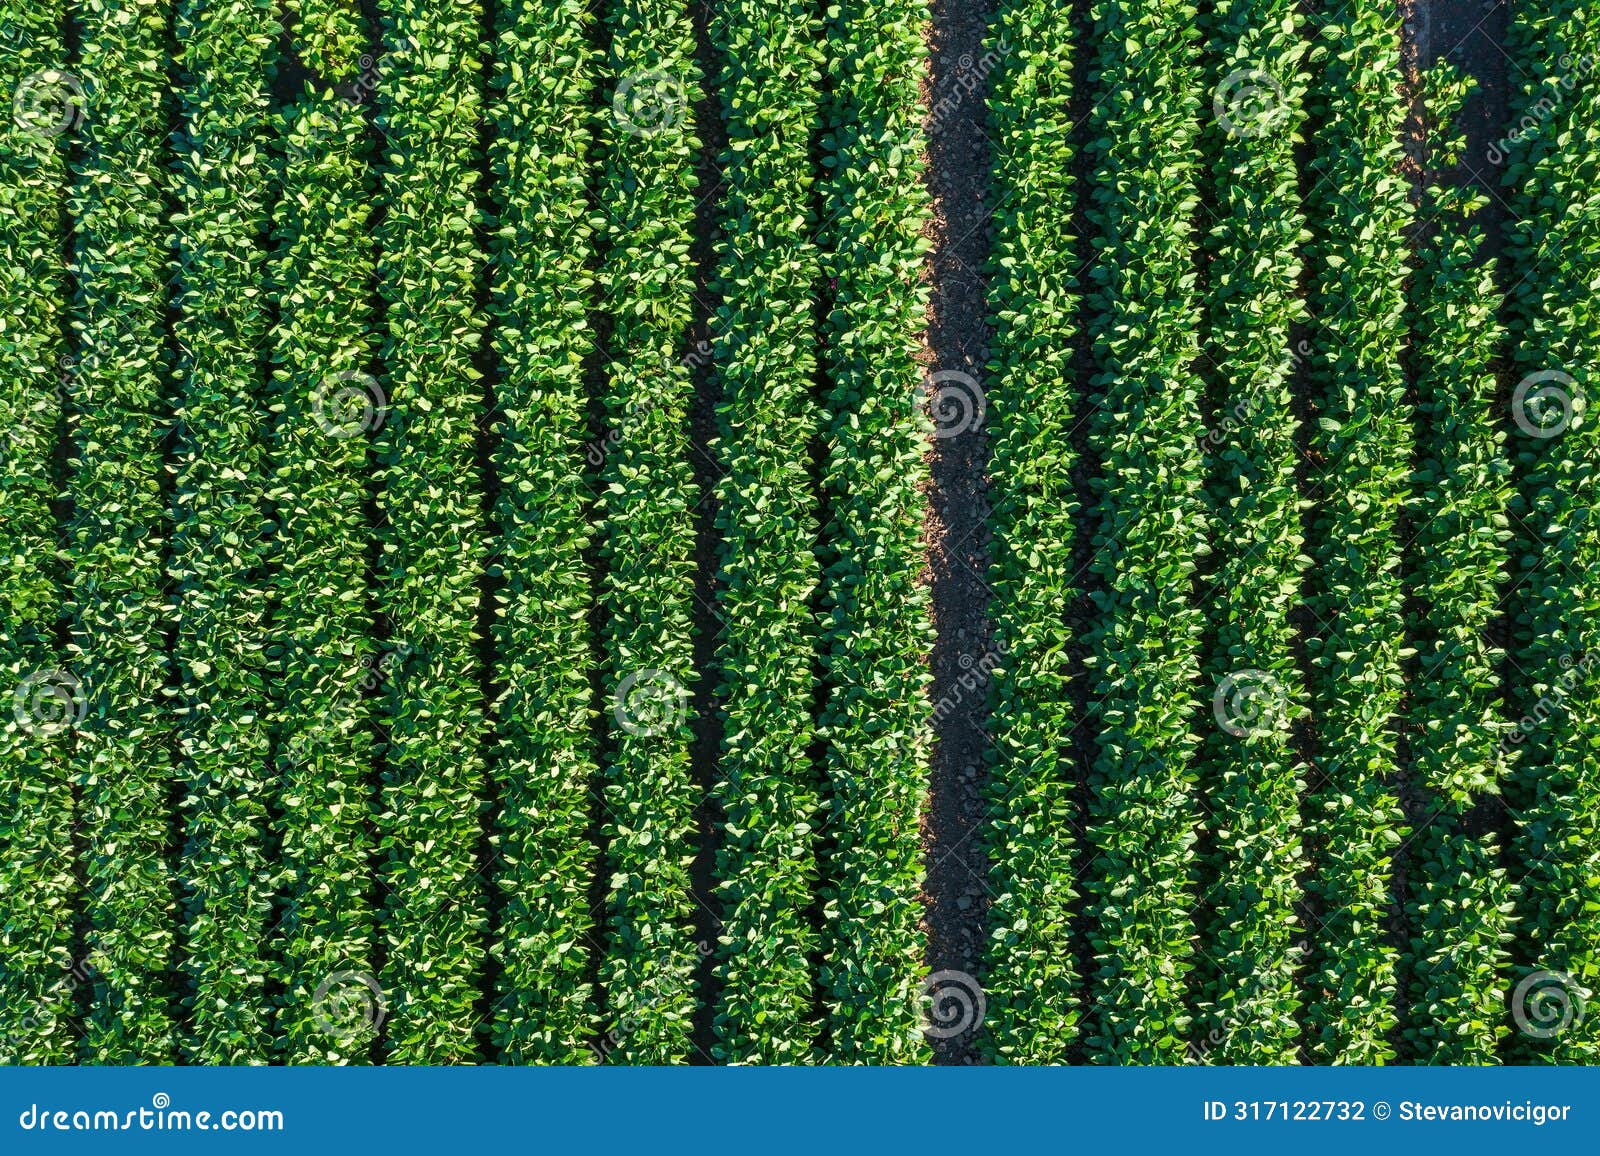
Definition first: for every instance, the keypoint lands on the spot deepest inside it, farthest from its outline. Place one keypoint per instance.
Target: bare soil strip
(958, 337)
(706, 752)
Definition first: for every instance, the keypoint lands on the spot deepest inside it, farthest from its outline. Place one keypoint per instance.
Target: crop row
(1150, 521)
(329, 37)
(544, 756)
(327, 660)
(648, 498)
(768, 420)
(116, 532)
(1359, 209)
(1250, 769)
(431, 531)
(1031, 978)
(874, 214)
(223, 191)
(1553, 258)
(1459, 894)
(38, 891)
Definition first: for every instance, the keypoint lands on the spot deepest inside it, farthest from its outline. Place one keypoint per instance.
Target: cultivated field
(761, 531)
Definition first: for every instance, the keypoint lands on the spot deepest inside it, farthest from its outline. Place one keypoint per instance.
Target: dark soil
(1471, 35)
(706, 750)
(956, 894)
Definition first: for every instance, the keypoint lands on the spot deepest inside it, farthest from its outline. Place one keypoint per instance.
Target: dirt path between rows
(1470, 34)
(955, 893)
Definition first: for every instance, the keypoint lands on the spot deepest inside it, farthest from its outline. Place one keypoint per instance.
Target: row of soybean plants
(327, 656)
(1148, 516)
(216, 560)
(1361, 448)
(875, 210)
(1250, 768)
(1551, 265)
(116, 526)
(1292, 818)
(1144, 644)
(1453, 1007)
(1031, 982)
(647, 192)
(768, 421)
(38, 886)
